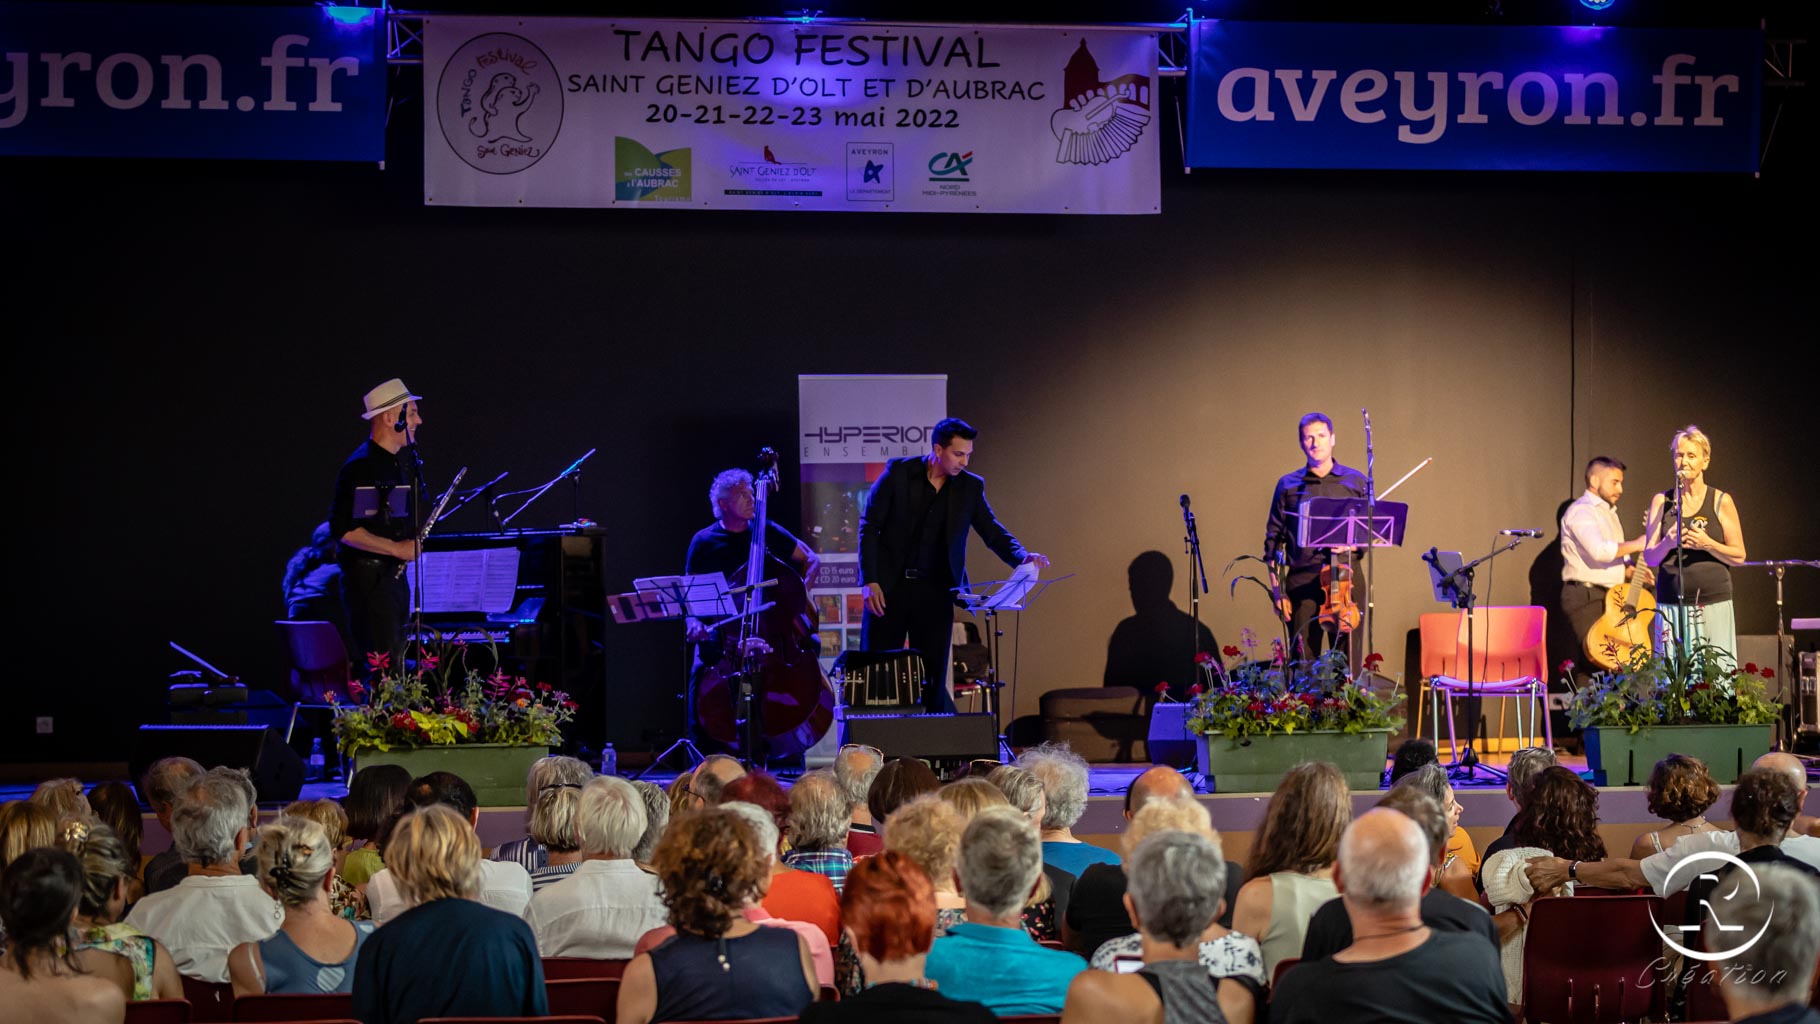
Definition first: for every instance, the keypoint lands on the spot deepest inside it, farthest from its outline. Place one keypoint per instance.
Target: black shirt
(1096, 912)
(372, 466)
(1460, 980)
(1285, 508)
(445, 957)
(897, 1003)
(1330, 930)
(929, 552)
(717, 549)
(1701, 889)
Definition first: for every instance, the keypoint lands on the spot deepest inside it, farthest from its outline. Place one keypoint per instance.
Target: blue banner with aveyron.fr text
(1461, 97)
(129, 80)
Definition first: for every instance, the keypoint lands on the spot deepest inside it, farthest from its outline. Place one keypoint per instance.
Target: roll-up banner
(851, 426)
(574, 112)
(139, 80)
(1459, 97)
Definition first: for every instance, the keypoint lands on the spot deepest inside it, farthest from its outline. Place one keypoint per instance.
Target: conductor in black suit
(913, 551)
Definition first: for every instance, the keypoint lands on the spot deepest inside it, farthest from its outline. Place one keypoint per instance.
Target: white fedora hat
(389, 395)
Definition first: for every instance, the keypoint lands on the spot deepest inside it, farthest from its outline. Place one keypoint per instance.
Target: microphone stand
(538, 492)
(1459, 584)
(1191, 541)
(419, 490)
(465, 500)
(1371, 540)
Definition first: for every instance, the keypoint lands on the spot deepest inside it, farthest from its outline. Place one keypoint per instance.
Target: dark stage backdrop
(191, 341)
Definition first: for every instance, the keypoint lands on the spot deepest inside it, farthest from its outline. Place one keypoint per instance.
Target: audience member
(556, 829)
(64, 799)
(447, 954)
(558, 780)
(1410, 755)
(39, 981)
(711, 777)
(315, 949)
(1232, 960)
(1397, 968)
(889, 909)
(1096, 908)
(1525, 765)
(1764, 805)
(159, 788)
(793, 895)
(1460, 865)
(990, 958)
(1680, 791)
(1657, 871)
(117, 806)
(1063, 774)
(1768, 981)
(1024, 790)
(1177, 881)
(242, 779)
(1292, 860)
(503, 885)
(717, 964)
(346, 901)
(896, 784)
(682, 799)
(104, 945)
(1042, 911)
(657, 816)
(603, 907)
(215, 908)
(854, 769)
(24, 826)
(815, 921)
(376, 796)
(928, 831)
(819, 819)
(1560, 818)
(1331, 928)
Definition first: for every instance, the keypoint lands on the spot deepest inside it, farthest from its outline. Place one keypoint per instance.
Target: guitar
(1630, 611)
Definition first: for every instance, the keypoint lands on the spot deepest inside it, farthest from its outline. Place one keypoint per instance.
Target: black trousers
(1305, 605)
(379, 606)
(921, 612)
(1583, 603)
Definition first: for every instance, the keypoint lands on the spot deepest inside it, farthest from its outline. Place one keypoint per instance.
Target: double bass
(767, 695)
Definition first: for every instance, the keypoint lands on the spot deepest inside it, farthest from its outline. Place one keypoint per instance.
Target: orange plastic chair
(1509, 659)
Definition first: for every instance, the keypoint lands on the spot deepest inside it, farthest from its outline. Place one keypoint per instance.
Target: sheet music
(705, 595)
(479, 580)
(1010, 597)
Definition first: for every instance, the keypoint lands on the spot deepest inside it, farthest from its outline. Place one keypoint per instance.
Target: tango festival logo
(499, 103)
(1102, 120)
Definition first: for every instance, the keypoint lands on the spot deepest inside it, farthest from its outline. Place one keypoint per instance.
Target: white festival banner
(747, 115)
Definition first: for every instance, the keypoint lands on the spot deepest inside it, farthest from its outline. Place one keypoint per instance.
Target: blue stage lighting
(1597, 5)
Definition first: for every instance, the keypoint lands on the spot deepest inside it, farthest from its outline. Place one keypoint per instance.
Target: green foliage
(443, 702)
(1277, 696)
(1701, 686)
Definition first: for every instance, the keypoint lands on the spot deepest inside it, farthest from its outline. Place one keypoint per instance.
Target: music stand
(666, 599)
(1013, 594)
(1328, 523)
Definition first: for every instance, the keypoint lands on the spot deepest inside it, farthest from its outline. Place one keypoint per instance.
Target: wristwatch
(1573, 870)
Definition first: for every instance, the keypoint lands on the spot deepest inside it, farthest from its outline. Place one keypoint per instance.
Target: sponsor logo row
(871, 175)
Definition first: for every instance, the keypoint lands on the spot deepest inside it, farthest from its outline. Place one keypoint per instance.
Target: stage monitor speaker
(275, 768)
(951, 738)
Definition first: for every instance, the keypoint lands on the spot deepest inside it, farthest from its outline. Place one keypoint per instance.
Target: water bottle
(316, 769)
(609, 760)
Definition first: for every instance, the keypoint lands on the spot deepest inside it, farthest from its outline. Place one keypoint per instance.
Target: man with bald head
(711, 777)
(1385, 863)
(1656, 870)
(1096, 908)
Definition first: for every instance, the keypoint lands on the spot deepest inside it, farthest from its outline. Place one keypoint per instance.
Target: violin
(1339, 613)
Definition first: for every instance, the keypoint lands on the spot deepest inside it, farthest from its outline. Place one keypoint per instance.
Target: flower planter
(1235, 766)
(495, 770)
(1619, 757)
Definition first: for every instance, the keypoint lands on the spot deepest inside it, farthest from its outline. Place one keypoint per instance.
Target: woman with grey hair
(556, 827)
(315, 949)
(657, 817)
(1024, 790)
(1177, 883)
(600, 910)
(215, 908)
(819, 814)
(1456, 872)
(1063, 774)
(546, 774)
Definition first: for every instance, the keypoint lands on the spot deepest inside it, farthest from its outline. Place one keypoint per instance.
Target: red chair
(210, 1002)
(1283, 967)
(565, 968)
(566, 1018)
(1509, 659)
(829, 994)
(585, 997)
(267, 1008)
(158, 1011)
(1582, 960)
(319, 670)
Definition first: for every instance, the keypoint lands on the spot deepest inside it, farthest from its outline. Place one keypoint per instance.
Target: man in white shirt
(1654, 871)
(215, 908)
(1593, 547)
(601, 909)
(504, 885)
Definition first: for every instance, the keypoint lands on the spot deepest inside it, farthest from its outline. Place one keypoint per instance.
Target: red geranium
(1203, 658)
(1161, 688)
(379, 659)
(1230, 651)
(1372, 661)
(545, 687)
(1196, 690)
(1566, 667)
(1751, 667)
(1769, 673)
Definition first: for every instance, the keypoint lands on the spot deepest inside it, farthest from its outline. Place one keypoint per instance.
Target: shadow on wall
(1545, 590)
(1159, 642)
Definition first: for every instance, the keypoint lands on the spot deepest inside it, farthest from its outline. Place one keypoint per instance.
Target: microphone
(1520, 533)
(403, 410)
(1184, 501)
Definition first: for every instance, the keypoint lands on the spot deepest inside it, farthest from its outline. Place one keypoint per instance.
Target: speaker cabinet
(951, 738)
(276, 770)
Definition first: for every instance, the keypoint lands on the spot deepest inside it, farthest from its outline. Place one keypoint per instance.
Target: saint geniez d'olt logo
(1102, 120)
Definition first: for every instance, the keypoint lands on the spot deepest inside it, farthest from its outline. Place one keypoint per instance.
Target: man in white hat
(376, 542)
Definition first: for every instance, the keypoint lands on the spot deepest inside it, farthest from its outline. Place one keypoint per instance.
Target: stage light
(348, 15)
(1597, 5)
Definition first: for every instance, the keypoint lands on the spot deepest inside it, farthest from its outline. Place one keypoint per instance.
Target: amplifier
(956, 738)
(1809, 709)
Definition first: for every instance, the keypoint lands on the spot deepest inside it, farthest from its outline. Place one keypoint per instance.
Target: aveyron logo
(871, 172)
(951, 176)
(499, 103)
(1736, 942)
(641, 176)
(772, 176)
(1102, 120)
